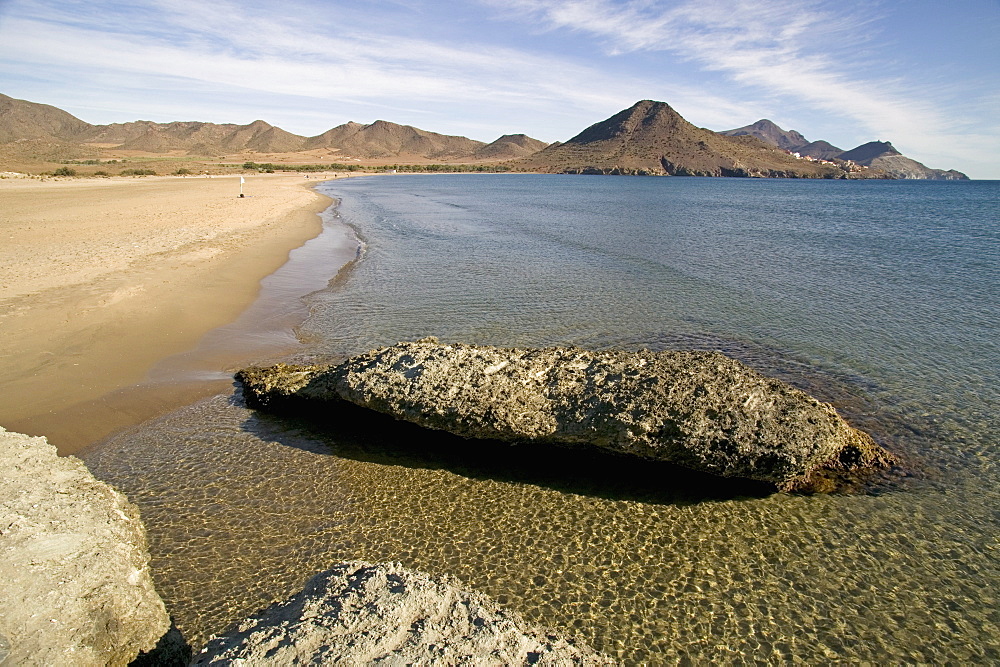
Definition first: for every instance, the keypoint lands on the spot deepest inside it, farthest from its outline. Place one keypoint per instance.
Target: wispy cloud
(546, 67)
(319, 52)
(794, 50)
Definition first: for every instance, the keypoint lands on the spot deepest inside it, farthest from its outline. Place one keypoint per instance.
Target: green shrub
(100, 173)
(138, 172)
(182, 172)
(64, 171)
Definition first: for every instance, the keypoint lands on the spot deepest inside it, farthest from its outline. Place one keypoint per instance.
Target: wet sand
(101, 279)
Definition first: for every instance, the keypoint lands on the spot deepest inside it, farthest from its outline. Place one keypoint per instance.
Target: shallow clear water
(881, 297)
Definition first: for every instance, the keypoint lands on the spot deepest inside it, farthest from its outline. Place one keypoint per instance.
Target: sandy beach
(102, 278)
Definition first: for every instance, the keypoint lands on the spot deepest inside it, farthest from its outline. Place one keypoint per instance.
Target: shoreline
(103, 281)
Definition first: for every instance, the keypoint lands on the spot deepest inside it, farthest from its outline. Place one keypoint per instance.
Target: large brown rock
(701, 410)
(358, 613)
(76, 584)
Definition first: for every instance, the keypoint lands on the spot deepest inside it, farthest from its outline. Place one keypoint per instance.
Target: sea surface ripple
(881, 297)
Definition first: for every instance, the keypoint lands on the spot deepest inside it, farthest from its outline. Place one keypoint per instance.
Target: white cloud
(323, 57)
(314, 64)
(794, 48)
(797, 51)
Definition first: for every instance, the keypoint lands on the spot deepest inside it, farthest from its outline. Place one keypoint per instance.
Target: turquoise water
(881, 297)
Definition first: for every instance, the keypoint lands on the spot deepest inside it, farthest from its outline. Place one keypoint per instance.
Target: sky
(923, 74)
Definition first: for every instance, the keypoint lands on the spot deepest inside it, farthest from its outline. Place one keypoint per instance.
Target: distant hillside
(875, 154)
(509, 147)
(768, 132)
(195, 137)
(821, 150)
(651, 138)
(789, 140)
(22, 120)
(882, 155)
(383, 139)
(647, 138)
(43, 129)
(867, 152)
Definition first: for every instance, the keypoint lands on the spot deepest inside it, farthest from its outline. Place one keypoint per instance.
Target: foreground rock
(701, 410)
(359, 613)
(73, 560)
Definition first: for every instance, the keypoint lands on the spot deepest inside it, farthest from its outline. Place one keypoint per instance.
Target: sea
(881, 297)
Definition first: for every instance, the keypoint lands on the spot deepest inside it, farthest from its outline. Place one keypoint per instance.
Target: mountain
(789, 140)
(647, 138)
(43, 129)
(867, 152)
(882, 155)
(509, 147)
(21, 120)
(195, 137)
(821, 150)
(875, 154)
(651, 138)
(768, 132)
(383, 139)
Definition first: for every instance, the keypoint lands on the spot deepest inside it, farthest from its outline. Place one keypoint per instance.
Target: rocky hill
(789, 140)
(651, 138)
(875, 154)
(882, 155)
(767, 131)
(21, 120)
(195, 137)
(868, 152)
(821, 150)
(509, 147)
(647, 138)
(383, 139)
(41, 129)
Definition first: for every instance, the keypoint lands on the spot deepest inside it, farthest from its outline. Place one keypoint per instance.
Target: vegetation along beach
(572, 352)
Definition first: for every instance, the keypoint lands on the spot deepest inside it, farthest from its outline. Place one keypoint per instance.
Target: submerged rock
(359, 613)
(76, 588)
(701, 410)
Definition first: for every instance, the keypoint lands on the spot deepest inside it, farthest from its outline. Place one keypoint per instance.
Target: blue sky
(923, 74)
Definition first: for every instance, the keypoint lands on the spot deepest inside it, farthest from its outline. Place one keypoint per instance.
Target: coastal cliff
(73, 558)
(700, 410)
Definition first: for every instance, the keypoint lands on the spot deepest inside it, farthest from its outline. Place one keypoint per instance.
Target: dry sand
(102, 278)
